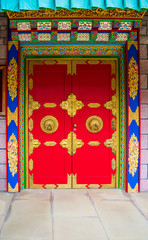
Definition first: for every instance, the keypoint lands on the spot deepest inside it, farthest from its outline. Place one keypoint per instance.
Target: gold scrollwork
(50, 143)
(94, 105)
(12, 116)
(33, 143)
(133, 78)
(94, 186)
(11, 43)
(113, 164)
(132, 190)
(71, 143)
(30, 164)
(12, 78)
(134, 116)
(80, 13)
(30, 83)
(49, 124)
(111, 105)
(130, 43)
(113, 124)
(94, 143)
(30, 124)
(133, 154)
(13, 154)
(112, 143)
(10, 189)
(50, 105)
(113, 84)
(72, 105)
(33, 105)
(94, 124)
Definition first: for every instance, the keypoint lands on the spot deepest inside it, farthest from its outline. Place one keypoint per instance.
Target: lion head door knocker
(94, 124)
(49, 124)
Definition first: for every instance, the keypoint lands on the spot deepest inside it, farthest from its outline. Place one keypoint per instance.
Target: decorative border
(31, 61)
(133, 134)
(74, 51)
(74, 30)
(12, 118)
(81, 13)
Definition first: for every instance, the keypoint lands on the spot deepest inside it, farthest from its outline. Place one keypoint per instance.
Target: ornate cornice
(81, 13)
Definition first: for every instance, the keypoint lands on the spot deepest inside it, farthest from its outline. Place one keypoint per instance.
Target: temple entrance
(72, 123)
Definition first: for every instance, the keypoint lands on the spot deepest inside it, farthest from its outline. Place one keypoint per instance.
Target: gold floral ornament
(72, 143)
(12, 78)
(112, 143)
(133, 154)
(33, 143)
(33, 105)
(72, 105)
(111, 105)
(133, 78)
(13, 154)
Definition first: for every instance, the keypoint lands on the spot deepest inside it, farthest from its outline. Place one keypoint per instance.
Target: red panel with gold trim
(72, 123)
(92, 124)
(49, 85)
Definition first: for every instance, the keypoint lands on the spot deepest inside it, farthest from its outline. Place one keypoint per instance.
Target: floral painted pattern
(23, 26)
(44, 36)
(133, 154)
(63, 37)
(102, 37)
(83, 37)
(133, 78)
(13, 154)
(44, 25)
(25, 37)
(122, 36)
(64, 25)
(85, 25)
(125, 26)
(105, 26)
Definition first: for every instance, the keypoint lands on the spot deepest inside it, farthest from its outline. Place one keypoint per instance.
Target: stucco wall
(144, 103)
(3, 51)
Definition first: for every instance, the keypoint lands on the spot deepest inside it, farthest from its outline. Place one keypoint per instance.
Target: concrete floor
(73, 215)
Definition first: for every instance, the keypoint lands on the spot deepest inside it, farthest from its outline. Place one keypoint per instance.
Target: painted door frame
(16, 56)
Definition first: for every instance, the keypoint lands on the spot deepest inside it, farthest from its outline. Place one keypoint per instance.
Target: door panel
(51, 84)
(91, 84)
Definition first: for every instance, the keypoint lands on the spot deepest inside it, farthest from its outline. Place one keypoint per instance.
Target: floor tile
(66, 228)
(122, 220)
(141, 201)
(29, 219)
(43, 194)
(5, 199)
(107, 194)
(72, 203)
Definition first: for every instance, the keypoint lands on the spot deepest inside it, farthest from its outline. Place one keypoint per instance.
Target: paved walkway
(73, 215)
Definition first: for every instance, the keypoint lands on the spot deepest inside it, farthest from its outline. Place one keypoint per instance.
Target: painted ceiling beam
(23, 5)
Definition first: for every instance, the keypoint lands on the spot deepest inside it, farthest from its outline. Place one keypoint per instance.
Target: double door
(70, 124)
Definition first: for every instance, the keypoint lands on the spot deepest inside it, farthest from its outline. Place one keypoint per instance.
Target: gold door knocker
(49, 124)
(94, 124)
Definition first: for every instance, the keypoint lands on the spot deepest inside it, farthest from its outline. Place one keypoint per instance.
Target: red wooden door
(92, 124)
(69, 124)
(51, 163)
